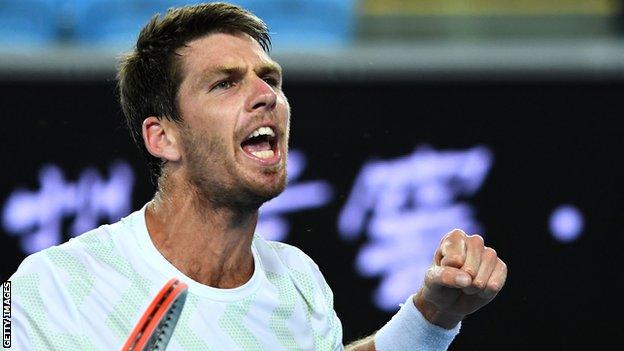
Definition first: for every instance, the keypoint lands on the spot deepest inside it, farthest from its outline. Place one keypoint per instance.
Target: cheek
(219, 130)
(284, 110)
(285, 104)
(208, 142)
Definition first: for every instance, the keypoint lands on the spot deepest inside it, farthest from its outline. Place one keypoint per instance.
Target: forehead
(222, 50)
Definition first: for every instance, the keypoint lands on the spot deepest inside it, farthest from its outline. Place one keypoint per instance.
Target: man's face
(234, 135)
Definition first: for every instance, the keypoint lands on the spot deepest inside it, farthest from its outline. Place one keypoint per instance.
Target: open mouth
(261, 144)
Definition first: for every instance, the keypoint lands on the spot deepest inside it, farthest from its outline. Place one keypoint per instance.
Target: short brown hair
(149, 77)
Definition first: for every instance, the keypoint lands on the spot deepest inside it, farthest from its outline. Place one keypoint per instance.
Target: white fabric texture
(88, 294)
(409, 330)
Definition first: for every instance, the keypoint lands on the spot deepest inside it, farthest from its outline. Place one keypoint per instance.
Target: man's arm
(465, 276)
(366, 344)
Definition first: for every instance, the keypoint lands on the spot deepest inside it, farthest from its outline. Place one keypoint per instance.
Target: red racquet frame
(159, 319)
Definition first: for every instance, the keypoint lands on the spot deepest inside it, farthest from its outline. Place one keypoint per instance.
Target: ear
(159, 136)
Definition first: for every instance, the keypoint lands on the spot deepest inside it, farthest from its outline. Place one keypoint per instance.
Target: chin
(266, 192)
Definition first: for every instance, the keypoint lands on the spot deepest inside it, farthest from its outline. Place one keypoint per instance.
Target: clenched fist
(465, 276)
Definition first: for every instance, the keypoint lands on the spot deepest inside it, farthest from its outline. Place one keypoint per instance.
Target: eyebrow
(225, 70)
(270, 68)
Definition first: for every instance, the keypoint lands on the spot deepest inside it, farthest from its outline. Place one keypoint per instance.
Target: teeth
(262, 131)
(263, 154)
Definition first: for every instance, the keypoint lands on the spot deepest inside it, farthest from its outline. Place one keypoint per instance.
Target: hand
(465, 276)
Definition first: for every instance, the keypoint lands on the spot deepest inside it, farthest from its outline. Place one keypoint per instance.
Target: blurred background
(409, 118)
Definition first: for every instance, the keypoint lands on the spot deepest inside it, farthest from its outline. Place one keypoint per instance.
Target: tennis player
(204, 101)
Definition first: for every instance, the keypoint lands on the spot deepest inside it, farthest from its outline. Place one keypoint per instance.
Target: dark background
(554, 142)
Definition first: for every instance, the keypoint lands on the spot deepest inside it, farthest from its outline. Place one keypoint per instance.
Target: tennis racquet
(156, 326)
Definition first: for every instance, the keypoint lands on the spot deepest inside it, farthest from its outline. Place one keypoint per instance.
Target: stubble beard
(208, 171)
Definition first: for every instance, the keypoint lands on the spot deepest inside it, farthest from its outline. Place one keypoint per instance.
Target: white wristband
(409, 330)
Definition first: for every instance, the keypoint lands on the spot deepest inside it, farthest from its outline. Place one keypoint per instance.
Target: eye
(224, 84)
(272, 81)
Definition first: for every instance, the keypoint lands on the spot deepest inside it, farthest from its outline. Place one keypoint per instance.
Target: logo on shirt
(6, 314)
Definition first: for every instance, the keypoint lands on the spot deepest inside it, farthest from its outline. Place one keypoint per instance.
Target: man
(204, 102)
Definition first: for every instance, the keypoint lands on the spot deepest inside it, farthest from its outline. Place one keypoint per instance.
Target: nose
(262, 96)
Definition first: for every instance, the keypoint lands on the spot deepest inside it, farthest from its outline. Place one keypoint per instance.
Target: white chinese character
(405, 206)
(37, 216)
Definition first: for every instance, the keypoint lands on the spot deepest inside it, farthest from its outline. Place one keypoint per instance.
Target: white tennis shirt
(88, 294)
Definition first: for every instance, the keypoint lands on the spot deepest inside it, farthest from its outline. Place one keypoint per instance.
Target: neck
(208, 243)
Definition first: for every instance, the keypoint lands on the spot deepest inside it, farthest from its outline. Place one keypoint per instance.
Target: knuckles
(484, 287)
(503, 267)
(456, 233)
(453, 260)
(476, 239)
(494, 287)
(490, 253)
(471, 271)
(479, 284)
(447, 277)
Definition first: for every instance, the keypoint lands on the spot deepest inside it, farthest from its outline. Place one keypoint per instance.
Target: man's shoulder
(60, 257)
(290, 255)
(78, 255)
(291, 261)
(282, 258)
(58, 288)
